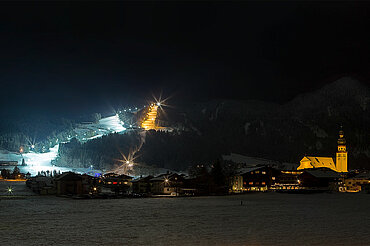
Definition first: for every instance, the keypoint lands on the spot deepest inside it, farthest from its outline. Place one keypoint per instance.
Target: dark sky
(63, 57)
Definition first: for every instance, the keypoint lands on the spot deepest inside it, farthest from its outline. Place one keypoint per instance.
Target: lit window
(263, 183)
(263, 172)
(273, 178)
(257, 172)
(251, 183)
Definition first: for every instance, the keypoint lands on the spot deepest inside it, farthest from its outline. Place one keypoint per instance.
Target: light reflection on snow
(112, 123)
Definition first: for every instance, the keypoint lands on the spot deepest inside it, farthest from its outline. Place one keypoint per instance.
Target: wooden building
(319, 179)
(167, 184)
(142, 185)
(69, 183)
(259, 178)
(119, 184)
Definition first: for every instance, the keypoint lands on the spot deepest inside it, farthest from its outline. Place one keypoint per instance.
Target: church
(340, 165)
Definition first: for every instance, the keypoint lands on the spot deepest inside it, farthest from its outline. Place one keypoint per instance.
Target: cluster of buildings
(110, 185)
(314, 174)
(9, 175)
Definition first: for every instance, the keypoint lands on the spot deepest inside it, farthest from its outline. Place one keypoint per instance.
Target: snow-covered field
(264, 219)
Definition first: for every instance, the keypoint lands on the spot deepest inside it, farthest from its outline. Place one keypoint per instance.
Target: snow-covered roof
(317, 162)
(249, 169)
(250, 161)
(323, 173)
(69, 176)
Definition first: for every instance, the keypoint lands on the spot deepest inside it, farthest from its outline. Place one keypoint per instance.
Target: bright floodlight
(127, 162)
(166, 180)
(130, 125)
(32, 146)
(158, 104)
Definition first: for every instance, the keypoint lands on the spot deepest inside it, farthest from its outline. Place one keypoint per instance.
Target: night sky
(79, 57)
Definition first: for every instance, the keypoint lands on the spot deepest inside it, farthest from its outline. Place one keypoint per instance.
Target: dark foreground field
(263, 219)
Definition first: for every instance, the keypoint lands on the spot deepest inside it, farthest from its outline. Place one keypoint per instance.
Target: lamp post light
(9, 190)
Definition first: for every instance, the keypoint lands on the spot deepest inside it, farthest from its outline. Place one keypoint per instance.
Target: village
(314, 174)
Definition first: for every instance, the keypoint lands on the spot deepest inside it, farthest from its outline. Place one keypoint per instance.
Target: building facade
(340, 165)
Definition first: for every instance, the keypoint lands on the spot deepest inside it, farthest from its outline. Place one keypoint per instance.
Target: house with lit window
(259, 178)
(357, 183)
(286, 180)
(167, 184)
(236, 184)
(119, 184)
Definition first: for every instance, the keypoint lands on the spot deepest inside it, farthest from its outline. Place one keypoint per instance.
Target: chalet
(69, 183)
(286, 180)
(259, 178)
(322, 179)
(167, 184)
(120, 184)
(142, 185)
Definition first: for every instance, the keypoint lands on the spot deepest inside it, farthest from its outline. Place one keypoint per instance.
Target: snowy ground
(264, 219)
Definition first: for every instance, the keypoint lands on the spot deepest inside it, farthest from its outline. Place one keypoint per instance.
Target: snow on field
(264, 219)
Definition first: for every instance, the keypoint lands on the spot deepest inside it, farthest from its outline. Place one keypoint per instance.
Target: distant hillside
(308, 124)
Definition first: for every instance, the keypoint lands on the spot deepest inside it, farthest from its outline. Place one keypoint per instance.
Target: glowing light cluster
(149, 122)
(112, 123)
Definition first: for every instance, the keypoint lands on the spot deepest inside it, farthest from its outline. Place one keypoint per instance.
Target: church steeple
(341, 157)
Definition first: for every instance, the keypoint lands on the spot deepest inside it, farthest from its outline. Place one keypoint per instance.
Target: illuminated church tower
(341, 161)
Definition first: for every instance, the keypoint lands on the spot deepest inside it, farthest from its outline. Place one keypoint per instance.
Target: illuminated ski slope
(37, 162)
(112, 124)
(149, 121)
